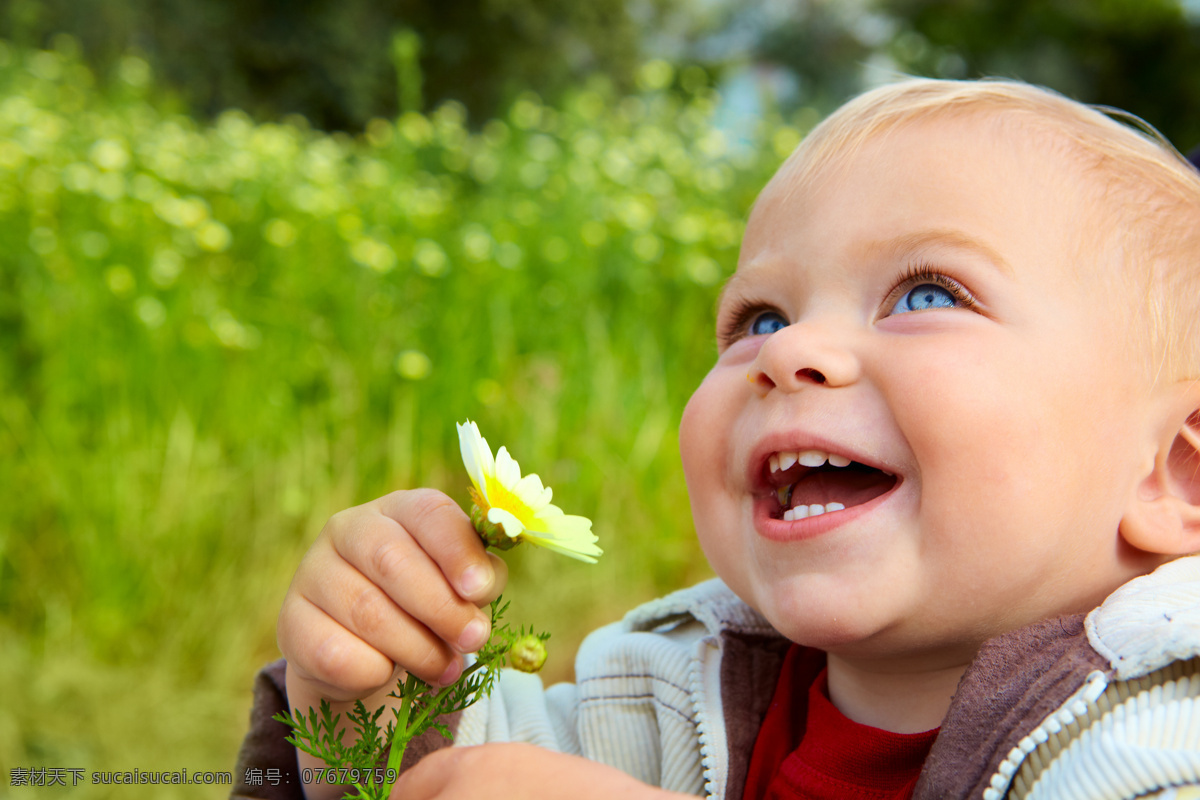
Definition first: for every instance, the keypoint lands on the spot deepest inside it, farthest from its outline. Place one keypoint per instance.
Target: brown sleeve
(266, 748)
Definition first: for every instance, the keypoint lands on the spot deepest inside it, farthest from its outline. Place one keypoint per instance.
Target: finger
(387, 559)
(364, 610)
(331, 660)
(447, 535)
(430, 777)
(500, 568)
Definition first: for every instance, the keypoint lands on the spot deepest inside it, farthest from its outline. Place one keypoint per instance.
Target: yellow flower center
(499, 496)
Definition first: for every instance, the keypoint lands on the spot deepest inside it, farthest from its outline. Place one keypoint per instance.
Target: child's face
(1007, 405)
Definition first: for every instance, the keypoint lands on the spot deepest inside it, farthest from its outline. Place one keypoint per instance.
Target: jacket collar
(1150, 621)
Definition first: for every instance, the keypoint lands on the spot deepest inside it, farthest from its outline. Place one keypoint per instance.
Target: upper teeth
(808, 458)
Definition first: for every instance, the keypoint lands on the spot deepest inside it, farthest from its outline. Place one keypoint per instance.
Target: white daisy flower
(510, 509)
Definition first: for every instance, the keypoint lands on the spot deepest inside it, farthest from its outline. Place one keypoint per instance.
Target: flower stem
(401, 736)
(434, 707)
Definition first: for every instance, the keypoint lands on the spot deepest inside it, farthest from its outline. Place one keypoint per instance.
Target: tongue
(848, 487)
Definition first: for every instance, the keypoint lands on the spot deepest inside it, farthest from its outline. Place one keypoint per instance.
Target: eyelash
(739, 318)
(915, 275)
(920, 273)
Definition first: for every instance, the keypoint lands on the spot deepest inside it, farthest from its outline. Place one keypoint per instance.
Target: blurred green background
(257, 259)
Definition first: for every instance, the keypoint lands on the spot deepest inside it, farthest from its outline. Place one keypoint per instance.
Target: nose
(801, 355)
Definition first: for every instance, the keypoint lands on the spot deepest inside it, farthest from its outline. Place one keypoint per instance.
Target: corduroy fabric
(1153, 728)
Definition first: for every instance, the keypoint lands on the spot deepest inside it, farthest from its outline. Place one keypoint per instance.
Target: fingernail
(474, 579)
(473, 636)
(452, 672)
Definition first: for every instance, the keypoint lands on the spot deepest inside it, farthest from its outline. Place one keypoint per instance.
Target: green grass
(214, 336)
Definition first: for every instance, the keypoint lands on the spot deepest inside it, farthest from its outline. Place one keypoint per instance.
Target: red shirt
(806, 749)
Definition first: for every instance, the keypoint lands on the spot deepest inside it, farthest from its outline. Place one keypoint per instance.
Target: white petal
(562, 526)
(564, 533)
(582, 550)
(513, 527)
(476, 455)
(532, 493)
(508, 471)
(550, 517)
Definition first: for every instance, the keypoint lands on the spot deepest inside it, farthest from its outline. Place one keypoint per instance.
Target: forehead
(965, 182)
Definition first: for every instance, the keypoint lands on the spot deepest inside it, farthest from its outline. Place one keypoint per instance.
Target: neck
(896, 700)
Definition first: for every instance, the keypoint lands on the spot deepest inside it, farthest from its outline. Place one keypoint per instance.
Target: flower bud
(527, 654)
(492, 533)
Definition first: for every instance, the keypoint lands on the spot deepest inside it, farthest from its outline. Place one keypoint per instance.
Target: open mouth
(812, 482)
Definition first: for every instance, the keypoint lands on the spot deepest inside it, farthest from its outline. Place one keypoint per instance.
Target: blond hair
(1151, 193)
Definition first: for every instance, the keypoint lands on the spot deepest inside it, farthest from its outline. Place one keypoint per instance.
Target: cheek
(1004, 437)
(979, 443)
(951, 409)
(703, 432)
(690, 443)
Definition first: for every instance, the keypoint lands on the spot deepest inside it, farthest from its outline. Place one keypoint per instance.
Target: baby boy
(946, 467)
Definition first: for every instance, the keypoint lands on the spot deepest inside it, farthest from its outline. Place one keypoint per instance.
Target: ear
(1164, 516)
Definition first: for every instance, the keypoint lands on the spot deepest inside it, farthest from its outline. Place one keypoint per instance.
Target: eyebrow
(911, 243)
(731, 282)
(907, 245)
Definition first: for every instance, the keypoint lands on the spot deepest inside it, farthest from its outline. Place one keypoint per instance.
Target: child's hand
(517, 772)
(394, 584)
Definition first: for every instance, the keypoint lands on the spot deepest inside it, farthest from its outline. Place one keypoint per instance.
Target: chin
(830, 633)
(811, 613)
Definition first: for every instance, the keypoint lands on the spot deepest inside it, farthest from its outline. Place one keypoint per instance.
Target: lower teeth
(814, 510)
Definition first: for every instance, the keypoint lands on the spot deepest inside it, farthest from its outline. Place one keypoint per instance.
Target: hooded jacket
(1105, 705)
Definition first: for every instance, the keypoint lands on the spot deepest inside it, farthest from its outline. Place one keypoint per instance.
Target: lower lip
(782, 530)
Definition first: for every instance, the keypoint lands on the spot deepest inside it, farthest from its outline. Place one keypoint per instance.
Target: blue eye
(927, 295)
(767, 323)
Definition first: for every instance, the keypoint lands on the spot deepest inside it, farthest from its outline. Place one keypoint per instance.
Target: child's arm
(394, 584)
